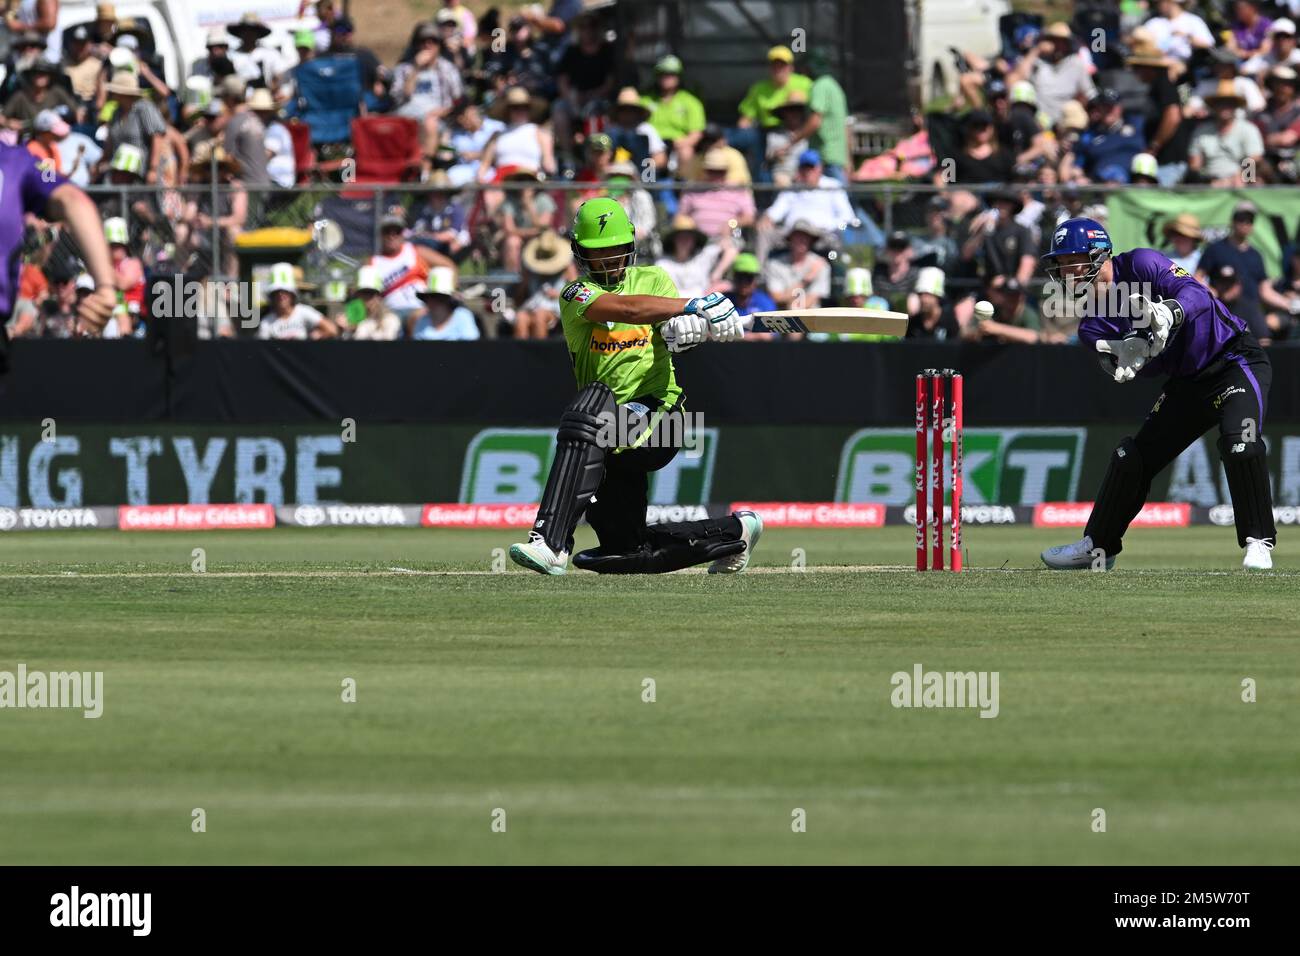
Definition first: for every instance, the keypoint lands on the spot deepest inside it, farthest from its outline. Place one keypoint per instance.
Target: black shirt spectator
(942, 327)
(521, 63)
(1005, 246)
(1242, 262)
(588, 70)
(894, 274)
(1247, 263)
(1162, 95)
(1228, 287)
(981, 158)
(1022, 126)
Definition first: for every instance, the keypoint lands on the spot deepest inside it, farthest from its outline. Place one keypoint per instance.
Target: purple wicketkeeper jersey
(24, 188)
(1207, 326)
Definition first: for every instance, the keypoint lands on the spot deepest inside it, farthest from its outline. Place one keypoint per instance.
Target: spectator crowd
(492, 129)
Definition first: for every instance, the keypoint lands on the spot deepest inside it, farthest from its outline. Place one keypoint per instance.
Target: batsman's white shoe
(751, 527)
(1259, 555)
(1077, 556)
(536, 555)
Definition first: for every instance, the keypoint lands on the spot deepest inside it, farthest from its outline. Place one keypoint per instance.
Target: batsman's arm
(634, 309)
(69, 205)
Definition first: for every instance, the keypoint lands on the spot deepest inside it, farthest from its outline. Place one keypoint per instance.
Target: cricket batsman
(1218, 375)
(622, 322)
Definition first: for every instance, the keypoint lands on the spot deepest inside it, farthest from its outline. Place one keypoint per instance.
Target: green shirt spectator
(756, 107)
(828, 101)
(674, 113)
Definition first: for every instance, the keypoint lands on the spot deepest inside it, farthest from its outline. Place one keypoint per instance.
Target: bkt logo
(1002, 466)
(510, 465)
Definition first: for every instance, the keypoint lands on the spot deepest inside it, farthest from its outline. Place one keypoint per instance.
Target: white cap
(282, 279)
(857, 282)
(368, 277)
(1283, 25)
(217, 36)
(198, 91)
(442, 281)
(120, 58)
(931, 280)
(84, 281)
(115, 231)
(1143, 164)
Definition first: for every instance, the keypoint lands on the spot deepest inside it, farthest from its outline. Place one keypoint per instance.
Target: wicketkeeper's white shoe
(1077, 556)
(751, 526)
(536, 555)
(1259, 554)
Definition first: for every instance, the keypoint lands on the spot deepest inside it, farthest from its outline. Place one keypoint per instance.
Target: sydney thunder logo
(602, 219)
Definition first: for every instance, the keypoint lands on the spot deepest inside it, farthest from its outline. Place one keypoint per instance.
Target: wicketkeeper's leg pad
(578, 466)
(670, 547)
(1121, 496)
(1246, 465)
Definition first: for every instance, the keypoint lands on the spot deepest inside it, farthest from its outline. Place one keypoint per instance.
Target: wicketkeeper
(622, 322)
(1170, 325)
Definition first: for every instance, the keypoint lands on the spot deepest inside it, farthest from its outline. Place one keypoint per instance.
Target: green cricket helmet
(603, 228)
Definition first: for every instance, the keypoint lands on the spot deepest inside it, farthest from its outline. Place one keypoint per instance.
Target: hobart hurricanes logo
(510, 465)
(1002, 466)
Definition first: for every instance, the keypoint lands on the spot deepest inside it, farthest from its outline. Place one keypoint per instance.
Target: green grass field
(486, 690)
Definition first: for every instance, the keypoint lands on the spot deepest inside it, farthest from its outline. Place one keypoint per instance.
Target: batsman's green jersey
(632, 360)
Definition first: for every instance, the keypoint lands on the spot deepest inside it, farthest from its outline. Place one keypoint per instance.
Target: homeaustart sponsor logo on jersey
(510, 465)
(1004, 466)
(618, 340)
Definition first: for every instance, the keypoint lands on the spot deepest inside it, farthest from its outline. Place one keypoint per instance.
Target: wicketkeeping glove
(725, 323)
(1159, 318)
(683, 332)
(1128, 357)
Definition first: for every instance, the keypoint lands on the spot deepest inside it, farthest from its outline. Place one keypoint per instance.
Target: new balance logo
(1238, 448)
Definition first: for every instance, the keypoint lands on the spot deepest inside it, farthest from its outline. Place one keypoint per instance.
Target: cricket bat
(876, 321)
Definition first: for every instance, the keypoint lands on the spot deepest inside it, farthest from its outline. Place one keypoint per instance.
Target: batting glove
(1127, 357)
(725, 323)
(1157, 317)
(683, 332)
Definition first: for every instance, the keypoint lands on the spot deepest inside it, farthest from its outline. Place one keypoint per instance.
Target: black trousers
(617, 512)
(1230, 394)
